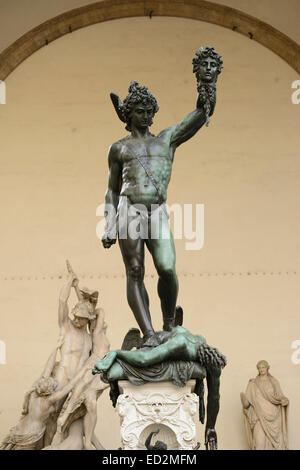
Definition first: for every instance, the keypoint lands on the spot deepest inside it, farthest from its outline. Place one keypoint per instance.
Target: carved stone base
(162, 406)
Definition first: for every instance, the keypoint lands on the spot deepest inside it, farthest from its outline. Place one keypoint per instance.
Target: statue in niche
(159, 445)
(265, 411)
(139, 173)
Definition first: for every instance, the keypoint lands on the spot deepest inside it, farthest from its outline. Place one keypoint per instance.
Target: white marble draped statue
(265, 411)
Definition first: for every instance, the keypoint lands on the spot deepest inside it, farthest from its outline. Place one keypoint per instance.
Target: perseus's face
(208, 69)
(141, 116)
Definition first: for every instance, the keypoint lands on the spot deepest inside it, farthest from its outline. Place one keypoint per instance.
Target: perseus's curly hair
(210, 357)
(137, 95)
(203, 53)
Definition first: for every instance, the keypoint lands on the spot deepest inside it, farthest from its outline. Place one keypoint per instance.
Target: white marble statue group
(60, 409)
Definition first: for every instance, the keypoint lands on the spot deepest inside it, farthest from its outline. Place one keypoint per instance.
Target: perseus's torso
(146, 170)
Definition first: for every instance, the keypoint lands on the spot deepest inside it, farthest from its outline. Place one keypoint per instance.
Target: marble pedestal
(162, 406)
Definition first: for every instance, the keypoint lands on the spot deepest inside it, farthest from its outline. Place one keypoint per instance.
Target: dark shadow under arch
(107, 10)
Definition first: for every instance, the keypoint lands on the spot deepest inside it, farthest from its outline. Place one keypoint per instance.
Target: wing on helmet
(118, 106)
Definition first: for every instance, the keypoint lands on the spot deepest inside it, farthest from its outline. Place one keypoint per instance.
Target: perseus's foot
(105, 363)
(150, 341)
(168, 325)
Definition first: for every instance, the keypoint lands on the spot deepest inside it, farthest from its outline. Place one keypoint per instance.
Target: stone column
(162, 406)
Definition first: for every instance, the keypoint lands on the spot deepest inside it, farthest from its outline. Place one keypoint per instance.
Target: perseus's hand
(211, 441)
(206, 94)
(108, 240)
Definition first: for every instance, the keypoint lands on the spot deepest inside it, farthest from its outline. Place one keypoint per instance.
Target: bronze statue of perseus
(139, 173)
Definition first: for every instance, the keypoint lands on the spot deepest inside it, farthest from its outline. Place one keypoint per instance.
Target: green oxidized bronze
(180, 357)
(140, 168)
(139, 173)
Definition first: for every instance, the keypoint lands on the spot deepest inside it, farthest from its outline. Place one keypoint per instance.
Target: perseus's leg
(133, 255)
(162, 250)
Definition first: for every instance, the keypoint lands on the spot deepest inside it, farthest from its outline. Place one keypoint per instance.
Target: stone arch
(107, 10)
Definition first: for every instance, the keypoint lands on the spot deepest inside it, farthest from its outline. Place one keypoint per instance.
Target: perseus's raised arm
(191, 124)
(207, 65)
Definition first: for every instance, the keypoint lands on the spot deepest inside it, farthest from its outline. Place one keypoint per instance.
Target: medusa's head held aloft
(207, 64)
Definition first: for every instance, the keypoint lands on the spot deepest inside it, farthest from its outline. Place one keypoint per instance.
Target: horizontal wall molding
(181, 274)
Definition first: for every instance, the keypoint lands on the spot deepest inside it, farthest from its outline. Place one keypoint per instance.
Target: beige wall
(241, 290)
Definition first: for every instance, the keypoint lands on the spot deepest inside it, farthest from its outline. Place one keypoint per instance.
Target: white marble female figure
(265, 410)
